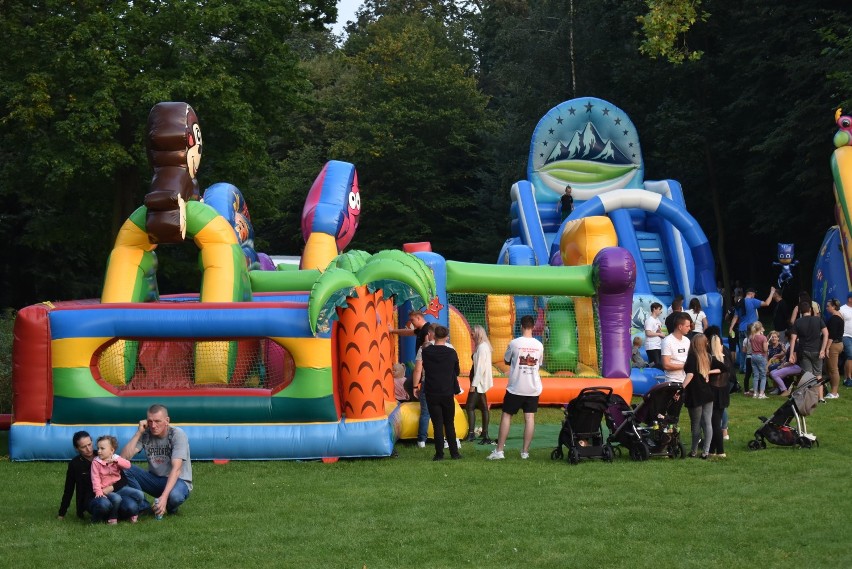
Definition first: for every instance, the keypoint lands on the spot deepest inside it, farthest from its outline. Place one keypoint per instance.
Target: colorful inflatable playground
(295, 361)
(831, 276)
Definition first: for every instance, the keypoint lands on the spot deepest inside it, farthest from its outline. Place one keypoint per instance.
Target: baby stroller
(801, 403)
(625, 432)
(659, 414)
(581, 429)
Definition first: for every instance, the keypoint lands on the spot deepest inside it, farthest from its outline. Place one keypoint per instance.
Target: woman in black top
(720, 383)
(835, 345)
(698, 393)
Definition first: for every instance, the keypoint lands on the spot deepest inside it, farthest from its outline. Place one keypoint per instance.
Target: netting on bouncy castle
(161, 364)
(568, 327)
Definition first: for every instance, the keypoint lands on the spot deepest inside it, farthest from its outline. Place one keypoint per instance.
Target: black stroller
(581, 429)
(624, 431)
(658, 415)
(801, 403)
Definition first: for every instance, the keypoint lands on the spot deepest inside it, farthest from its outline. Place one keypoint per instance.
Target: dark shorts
(513, 403)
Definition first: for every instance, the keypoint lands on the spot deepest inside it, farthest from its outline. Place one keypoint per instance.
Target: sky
(345, 12)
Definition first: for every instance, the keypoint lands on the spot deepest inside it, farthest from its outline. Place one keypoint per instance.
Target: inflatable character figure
(786, 252)
(174, 152)
(843, 137)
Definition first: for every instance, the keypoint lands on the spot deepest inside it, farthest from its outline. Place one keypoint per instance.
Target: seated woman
(780, 369)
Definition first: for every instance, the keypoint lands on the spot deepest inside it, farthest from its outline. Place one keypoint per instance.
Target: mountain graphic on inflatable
(588, 145)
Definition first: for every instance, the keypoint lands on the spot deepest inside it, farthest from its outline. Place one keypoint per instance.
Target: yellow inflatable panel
(582, 239)
(409, 413)
(500, 315)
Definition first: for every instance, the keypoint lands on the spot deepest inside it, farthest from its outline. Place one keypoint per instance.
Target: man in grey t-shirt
(169, 474)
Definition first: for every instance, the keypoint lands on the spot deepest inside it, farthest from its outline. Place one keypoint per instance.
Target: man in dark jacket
(441, 368)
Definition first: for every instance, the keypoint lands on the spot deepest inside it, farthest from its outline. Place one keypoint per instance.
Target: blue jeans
(847, 347)
(99, 508)
(423, 425)
(155, 485)
(758, 368)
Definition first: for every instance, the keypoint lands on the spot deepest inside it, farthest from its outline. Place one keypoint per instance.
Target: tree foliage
(434, 101)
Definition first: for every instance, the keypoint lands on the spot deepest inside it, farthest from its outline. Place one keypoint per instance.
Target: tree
(406, 111)
(76, 84)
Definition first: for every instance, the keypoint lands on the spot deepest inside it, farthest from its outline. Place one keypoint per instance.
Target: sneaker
(755, 395)
(720, 455)
(762, 396)
(134, 519)
(822, 400)
(496, 455)
(421, 444)
(446, 443)
(525, 455)
(112, 521)
(747, 393)
(833, 396)
(726, 437)
(847, 382)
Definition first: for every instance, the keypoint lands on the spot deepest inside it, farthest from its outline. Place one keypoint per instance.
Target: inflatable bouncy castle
(283, 363)
(831, 277)
(592, 146)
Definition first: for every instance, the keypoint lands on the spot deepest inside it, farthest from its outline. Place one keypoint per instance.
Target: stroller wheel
(805, 442)
(679, 451)
(573, 456)
(639, 451)
(556, 454)
(755, 445)
(607, 453)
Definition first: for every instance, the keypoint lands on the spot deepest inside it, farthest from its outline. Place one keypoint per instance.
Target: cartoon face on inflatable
(843, 137)
(786, 252)
(193, 142)
(350, 216)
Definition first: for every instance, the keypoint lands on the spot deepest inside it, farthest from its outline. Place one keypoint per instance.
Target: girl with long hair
(481, 380)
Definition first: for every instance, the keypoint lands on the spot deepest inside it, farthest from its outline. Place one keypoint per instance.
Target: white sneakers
(500, 455)
(832, 396)
(421, 444)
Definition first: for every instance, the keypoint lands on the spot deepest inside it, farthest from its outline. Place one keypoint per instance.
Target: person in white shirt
(654, 336)
(699, 318)
(676, 348)
(846, 314)
(524, 354)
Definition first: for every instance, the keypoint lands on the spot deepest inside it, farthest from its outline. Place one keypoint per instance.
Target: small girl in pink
(759, 351)
(106, 472)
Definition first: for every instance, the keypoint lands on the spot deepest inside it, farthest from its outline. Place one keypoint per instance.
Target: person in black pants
(441, 368)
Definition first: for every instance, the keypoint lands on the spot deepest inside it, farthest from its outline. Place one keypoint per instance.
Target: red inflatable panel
(32, 388)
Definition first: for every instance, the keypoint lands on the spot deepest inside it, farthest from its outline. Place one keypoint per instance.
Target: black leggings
(717, 442)
(474, 400)
(748, 373)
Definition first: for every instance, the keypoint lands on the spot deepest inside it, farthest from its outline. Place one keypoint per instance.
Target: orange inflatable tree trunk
(361, 326)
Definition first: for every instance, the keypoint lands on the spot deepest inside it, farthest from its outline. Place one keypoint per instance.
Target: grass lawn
(776, 508)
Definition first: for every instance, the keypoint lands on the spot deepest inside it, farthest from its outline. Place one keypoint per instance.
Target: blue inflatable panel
(645, 379)
(829, 278)
(29, 441)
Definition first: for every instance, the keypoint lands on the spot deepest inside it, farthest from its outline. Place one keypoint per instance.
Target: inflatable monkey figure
(786, 252)
(174, 152)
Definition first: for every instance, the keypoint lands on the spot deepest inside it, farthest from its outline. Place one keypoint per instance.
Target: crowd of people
(108, 487)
